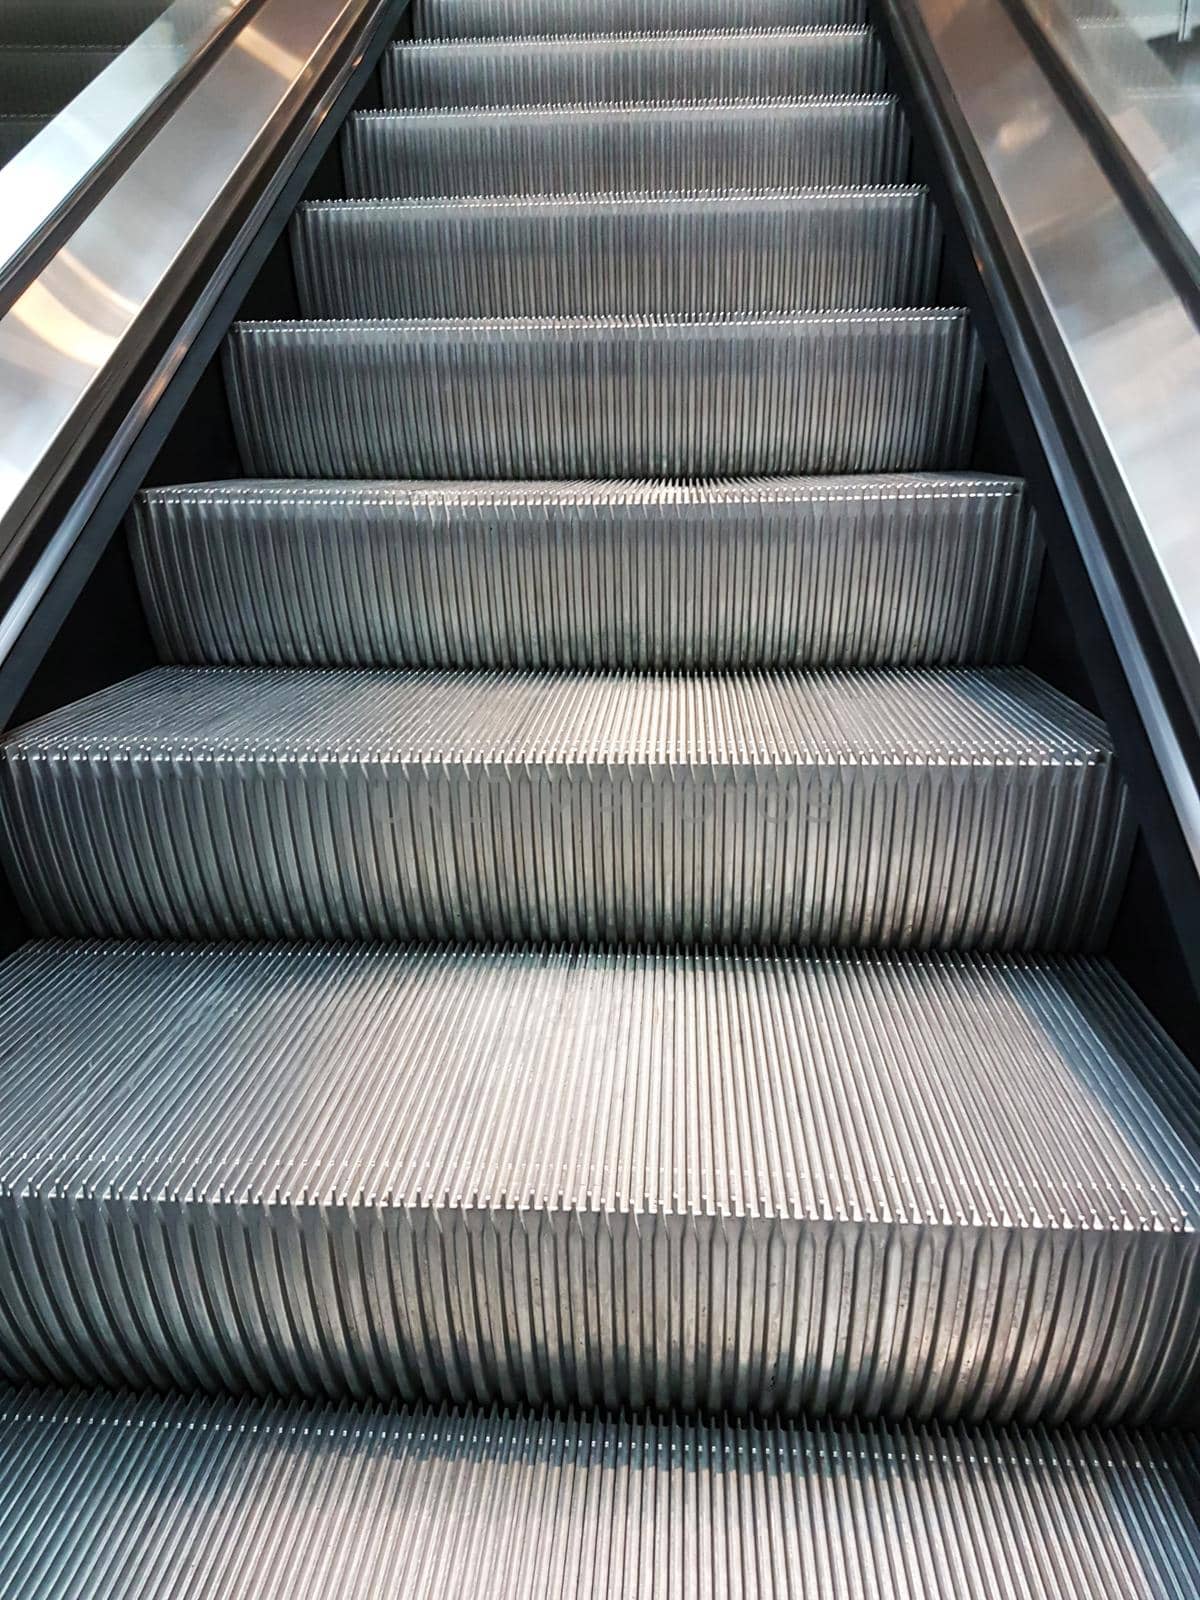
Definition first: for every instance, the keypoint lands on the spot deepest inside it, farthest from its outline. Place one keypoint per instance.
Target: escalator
(50, 52)
(569, 1035)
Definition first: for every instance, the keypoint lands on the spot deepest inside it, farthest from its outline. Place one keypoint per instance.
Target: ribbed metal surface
(466, 19)
(889, 807)
(767, 144)
(914, 1185)
(808, 250)
(746, 573)
(605, 68)
(604, 397)
(42, 81)
(149, 1498)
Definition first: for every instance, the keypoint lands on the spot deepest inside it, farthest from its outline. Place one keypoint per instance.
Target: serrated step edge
(731, 574)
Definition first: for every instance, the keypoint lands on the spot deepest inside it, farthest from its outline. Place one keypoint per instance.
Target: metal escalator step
(757, 64)
(871, 1184)
(879, 807)
(39, 81)
(765, 144)
(466, 19)
(807, 250)
(605, 397)
(920, 570)
(116, 1497)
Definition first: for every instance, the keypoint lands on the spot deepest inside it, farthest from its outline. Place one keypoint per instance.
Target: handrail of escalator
(82, 150)
(1105, 350)
(1142, 122)
(90, 345)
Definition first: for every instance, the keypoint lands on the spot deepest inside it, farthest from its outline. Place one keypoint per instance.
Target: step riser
(874, 394)
(265, 1502)
(610, 71)
(478, 19)
(643, 150)
(991, 856)
(571, 1308)
(463, 578)
(641, 258)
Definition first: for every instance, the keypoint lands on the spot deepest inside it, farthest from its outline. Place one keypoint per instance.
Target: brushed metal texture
(149, 1498)
(851, 1184)
(467, 19)
(754, 64)
(927, 808)
(925, 569)
(764, 144)
(605, 397)
(761, 252)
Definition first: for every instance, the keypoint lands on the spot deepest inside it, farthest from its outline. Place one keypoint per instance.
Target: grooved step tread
(1007, 1150)
(734, 144)
(970, 1091)
(219, 1500)
(933, 807)
(523, 18)
(605, 397)
(959, 717)
(752, 64)
(765, 252)
(921, 569)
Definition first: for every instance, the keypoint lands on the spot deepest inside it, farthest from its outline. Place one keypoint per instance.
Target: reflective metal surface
(627, 255)
(41, 178)
(752, 144)
(920, 569)
(145, 1498)
(837, 1183)
(1151, 110)
(587, 1165)
(941, 808)
(76, 333)
(1120, 331)
(758, 64)
(605, 397)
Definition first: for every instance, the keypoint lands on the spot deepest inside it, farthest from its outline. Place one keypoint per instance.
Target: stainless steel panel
(758, 64)
(808, 250)
(752, 573)
(474, 19)
(1146, 108)
(1124, 336)
(916, 1186)
(605, 397)
(36, 186)
(768, 144)
(226, 1501)
(80, 328)
(915, 808)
